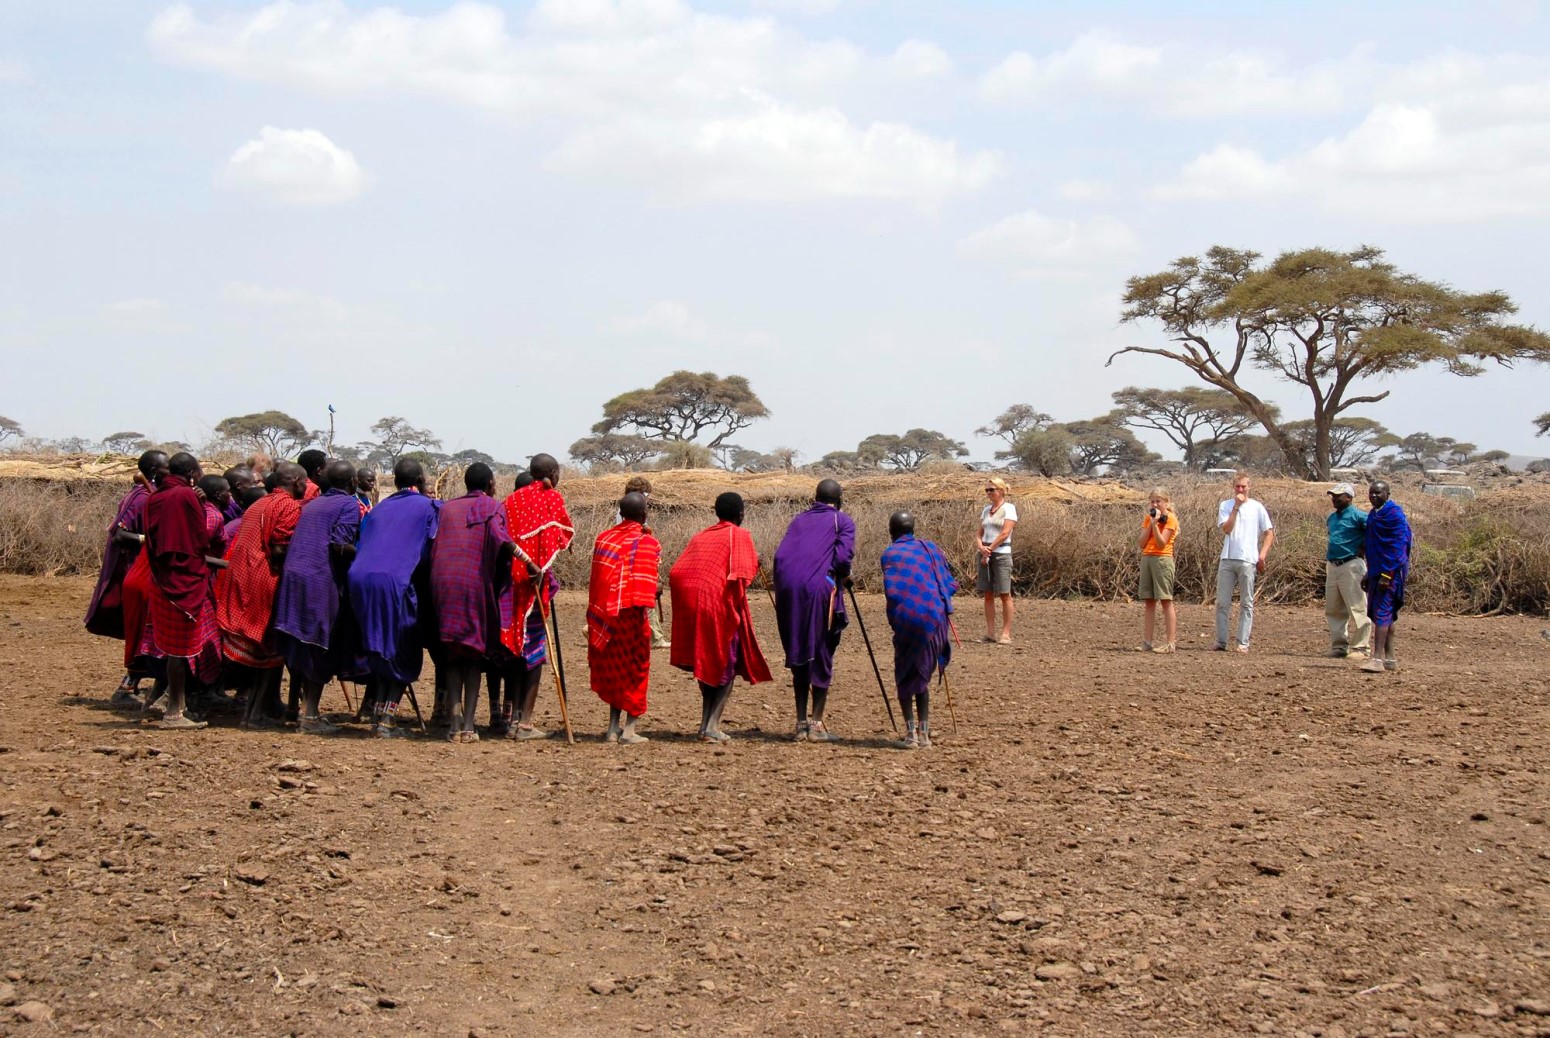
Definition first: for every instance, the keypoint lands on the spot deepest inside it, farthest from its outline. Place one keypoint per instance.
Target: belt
(1342, 562)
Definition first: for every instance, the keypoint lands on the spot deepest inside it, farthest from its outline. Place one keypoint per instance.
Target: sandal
(180, 723)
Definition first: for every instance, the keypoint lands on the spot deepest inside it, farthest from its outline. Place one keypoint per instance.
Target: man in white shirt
(1247, 537)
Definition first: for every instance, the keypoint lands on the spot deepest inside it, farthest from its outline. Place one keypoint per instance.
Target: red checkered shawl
(542, 528)
(709, 583)
(625, 564)
(245, 589)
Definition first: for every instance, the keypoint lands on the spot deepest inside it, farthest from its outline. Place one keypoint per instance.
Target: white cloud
(778, 153)
(137, 306)
(799, 6)
(294, 167)
(1037, 245)
(668, 317)
(921, 59)
(1173, 80)
(1455, 139)
(242, 293)
(1083, 190)
(734, 95)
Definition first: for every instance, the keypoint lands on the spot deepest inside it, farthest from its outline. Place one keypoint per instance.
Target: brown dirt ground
(1112, 843)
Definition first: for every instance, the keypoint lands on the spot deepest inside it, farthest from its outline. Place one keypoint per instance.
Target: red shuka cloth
(709, 583)
(541, 527)
(245, 589)
(176, 538)
(623, 586)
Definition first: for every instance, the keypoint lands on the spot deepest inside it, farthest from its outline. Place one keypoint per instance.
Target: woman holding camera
(1159, 529)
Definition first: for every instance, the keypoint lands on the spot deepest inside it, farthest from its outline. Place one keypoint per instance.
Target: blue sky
(491, 218)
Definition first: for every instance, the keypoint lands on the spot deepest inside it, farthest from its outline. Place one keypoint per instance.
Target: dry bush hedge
(1486, 556)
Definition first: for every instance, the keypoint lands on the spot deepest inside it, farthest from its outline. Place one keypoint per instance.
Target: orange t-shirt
(1170, 522)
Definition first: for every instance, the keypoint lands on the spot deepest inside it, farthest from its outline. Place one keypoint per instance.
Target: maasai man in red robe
(245, 592)
(106, 614)
(541, 527)
(620, 595)
(470, 574)
(178, 536)
(713, 634)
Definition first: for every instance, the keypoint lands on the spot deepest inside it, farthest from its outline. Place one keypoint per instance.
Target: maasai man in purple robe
(470, 572)
(919, 587)
(312, 619)
(105, 615)
(812, 566)
(1388, 544)
(387, 579)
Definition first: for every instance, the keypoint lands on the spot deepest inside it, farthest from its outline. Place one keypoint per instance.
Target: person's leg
(629, 735)
(385, 710)
(1390, 660)
(612, 735)
(721, 705)
(1007, 609)
(1337, 611)
(311, 699)
(492, 681)
(531, 677)
(470, 705)
(1226, 580)
(923, 711)
(1352, 575)
(293, 697)
(1245, 603)
(708, 696)
(990, 616)
(1148, 622)
(179, 677)
(907, 708)
(801, 685)
(1171, 623)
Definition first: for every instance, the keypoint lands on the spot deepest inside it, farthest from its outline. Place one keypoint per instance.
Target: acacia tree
(1104, 442)
(1195, 420)
(10, 428)
(1327, 321)
(1541, 424)
(1353, 441)
(910, 451)
(124, 442)
(1012, 423)
(684, 406)
(396, 438)
(1423, 450)
(610, 449)
(273, 432)
(1046, 451)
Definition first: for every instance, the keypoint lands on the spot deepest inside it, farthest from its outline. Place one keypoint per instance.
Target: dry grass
(1074, 539)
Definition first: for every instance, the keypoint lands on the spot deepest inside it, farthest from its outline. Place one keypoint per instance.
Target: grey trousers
(1230, 574)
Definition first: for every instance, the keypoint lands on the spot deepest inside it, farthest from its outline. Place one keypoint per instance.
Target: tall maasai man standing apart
(470, 574)
(245, 590)
(313, 627)
(387, 578)
(811, 567)
(542, 528)
(919, 587)
(713, 636)
(1388, 544)
(177, 539)
(621, 594)
(105, 615)
(314, 462)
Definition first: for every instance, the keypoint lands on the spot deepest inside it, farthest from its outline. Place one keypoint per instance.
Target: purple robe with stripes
(468, 579)
(105, 615)
(395, 542)
(311, 596)
(809, 605)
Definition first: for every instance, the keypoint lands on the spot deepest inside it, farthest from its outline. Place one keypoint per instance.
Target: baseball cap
(1341, 488)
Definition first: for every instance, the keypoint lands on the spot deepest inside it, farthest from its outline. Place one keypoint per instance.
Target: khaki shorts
(995, 578)
(1157, 577)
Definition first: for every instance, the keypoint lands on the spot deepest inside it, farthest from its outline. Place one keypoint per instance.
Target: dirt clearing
(1111, 843)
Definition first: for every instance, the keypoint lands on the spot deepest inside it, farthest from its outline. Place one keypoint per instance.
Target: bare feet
(632, 739)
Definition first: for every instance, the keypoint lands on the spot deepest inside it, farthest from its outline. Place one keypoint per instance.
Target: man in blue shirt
(1345, 598)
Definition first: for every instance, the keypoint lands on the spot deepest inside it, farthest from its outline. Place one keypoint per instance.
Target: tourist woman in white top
(995, 559)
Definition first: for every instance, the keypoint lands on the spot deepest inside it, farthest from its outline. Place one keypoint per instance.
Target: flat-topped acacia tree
(1328, 321)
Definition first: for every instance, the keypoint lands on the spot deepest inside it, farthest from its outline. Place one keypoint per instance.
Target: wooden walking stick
(887, 703)
(553, 656)
(415, 702)
(949, 690)
(769, 587)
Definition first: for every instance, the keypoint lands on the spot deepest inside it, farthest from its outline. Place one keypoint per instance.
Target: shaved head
(340, 476)
(239, 477)
(543, 466)
(729, 507)
(152, 463)
(632, 506)
(290, 478)
(901, 524)
(408, 473)
(183, 464)
(479, 476)
(829, 492)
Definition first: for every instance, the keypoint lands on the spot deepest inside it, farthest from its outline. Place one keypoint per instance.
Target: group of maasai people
(221, 587)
